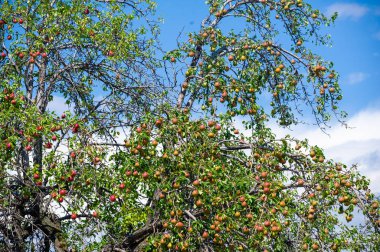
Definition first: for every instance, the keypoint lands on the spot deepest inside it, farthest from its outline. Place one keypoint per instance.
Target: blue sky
(356, 54)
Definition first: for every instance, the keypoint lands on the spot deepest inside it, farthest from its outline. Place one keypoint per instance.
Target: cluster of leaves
(184, 178)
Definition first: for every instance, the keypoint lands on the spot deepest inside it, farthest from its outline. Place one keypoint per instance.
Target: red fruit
(138, 130)
(54, 138)
(202, 127)
(110, 53)
(3, 54)
(112, 198)
(97, 160)
(13, 102)
(60, 199)
(300, 182)
(128, 173)
(75, 128)
(70, 179)
(158, 122)
(86, 11)
(72, 154)
(205, 235)
(36, 176)
(195, 193)
(135, 173)
(211, 123)
(48, 145)
(198, 203)
(9, 37)
(62, 192)
(179, 225)
(174, 120)
(122, 186)
(21, 55)
(44, 55)
(73, 216)
(20, 21)
(39, 183)
(39, 128)
(63, 116)
(9, 146)
(94, 214)
(145, 175)
(73, 173)
(54, 195)
(196, 183)
(217, 127)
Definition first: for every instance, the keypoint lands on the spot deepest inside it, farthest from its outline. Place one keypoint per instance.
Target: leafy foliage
(143, 163)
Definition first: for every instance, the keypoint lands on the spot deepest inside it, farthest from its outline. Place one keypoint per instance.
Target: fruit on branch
(112, 198)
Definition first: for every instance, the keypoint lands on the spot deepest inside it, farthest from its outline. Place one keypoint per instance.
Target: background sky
(356, 55)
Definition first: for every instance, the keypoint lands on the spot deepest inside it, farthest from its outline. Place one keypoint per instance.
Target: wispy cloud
(356, 77)
(347, 10)
(357, 144)
(377, 35)
(377, 11)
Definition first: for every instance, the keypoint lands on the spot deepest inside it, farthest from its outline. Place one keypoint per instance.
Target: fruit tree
(150, 156)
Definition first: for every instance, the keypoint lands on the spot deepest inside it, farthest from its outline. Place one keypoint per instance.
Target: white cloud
(359, 143)
(356, 77)
(347, 10)
(58, 105)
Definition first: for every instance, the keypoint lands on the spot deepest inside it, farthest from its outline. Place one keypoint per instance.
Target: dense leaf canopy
(150, 158)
